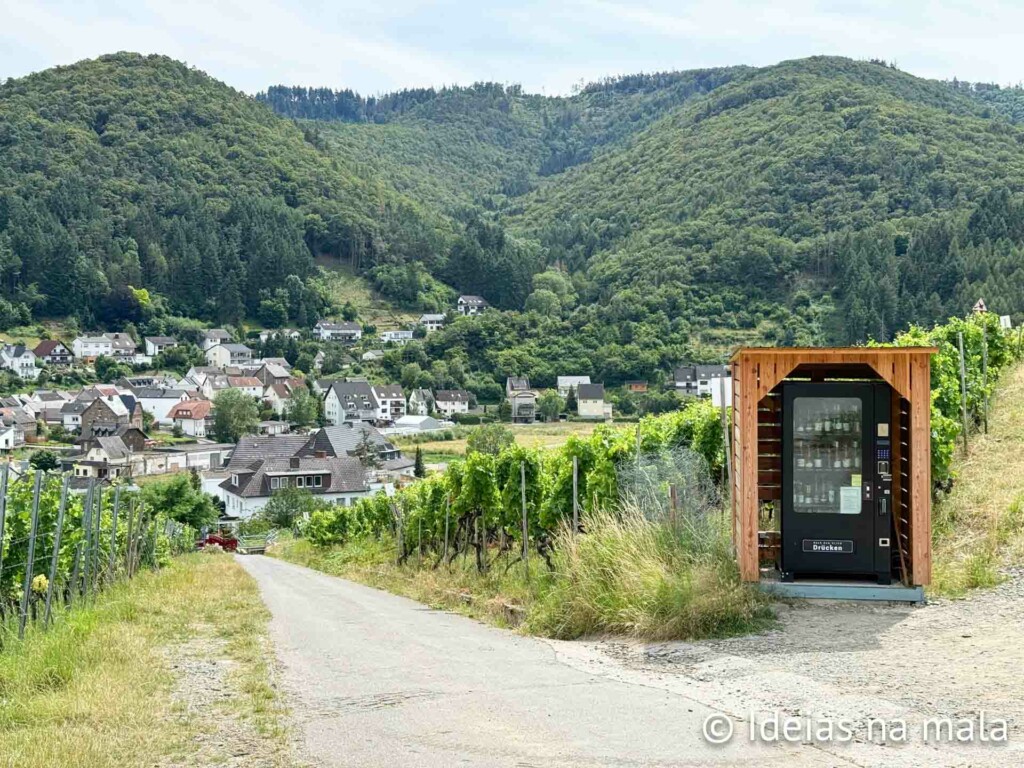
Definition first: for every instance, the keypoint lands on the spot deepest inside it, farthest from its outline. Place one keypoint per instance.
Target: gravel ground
(204, 690)
(855, 661)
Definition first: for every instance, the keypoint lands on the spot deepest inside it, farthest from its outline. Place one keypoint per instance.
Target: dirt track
(949, 658)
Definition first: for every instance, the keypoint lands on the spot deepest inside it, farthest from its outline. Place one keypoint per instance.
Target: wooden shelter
(757, 454)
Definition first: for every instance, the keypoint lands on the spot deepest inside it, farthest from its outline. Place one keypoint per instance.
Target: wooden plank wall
(769, 447)
(756, 428)
(920, 470)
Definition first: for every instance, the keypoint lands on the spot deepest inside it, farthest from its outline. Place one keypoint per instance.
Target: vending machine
(837, 498)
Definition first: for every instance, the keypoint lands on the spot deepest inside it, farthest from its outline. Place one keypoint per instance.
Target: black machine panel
(836, 504)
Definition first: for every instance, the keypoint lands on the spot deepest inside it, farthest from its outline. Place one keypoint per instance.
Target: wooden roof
(832, 354)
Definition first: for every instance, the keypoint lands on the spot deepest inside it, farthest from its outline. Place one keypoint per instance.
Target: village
(332, 429)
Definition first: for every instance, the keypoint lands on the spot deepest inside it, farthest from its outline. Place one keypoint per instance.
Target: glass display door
(827, 520)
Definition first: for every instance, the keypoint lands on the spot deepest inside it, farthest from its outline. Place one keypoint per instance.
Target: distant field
(528, 435)
(346, 286)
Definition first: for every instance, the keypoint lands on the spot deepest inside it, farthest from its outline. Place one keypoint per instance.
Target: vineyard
(59, 547)
(515, 501)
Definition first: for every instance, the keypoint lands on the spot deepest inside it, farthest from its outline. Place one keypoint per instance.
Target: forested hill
(821, 199)
(640, 221)
(481, 144)
(139, 171)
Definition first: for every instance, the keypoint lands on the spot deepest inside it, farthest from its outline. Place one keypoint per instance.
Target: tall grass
(626, 575)
(95, 690)
(647, 579)
(979, 527)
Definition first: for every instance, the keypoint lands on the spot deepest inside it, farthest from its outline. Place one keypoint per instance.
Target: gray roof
(590, 392)
(477, 300)
(74, 406)
(151, 393)
(686, 373)
(161, 340)
(216, 333)
(451, 396)
(233, 347)
(712, 371)
(517, 382)
(343, 439)
(113, 446)
(431, 317)
(344, 325)
(389, 391)
(253, 448)
(345, 475)
(355, 392)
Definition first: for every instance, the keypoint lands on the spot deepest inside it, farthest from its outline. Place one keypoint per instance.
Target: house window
(300, 482)
(318, 482)
(234, 480)
(309, 481)
(275, 483)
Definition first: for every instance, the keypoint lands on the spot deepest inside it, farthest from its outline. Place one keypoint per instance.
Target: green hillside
(139, 171)
(754, 196)
(637, 222)
(486, 143)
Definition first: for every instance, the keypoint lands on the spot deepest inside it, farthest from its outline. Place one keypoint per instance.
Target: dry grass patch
(96, 690)
(547, 436)
(979, 527)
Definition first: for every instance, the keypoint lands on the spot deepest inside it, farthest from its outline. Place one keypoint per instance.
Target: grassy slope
(96, 690)
(980, 526)
(346, 287)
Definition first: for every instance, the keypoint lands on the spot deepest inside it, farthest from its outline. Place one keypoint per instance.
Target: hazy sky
(378, 45)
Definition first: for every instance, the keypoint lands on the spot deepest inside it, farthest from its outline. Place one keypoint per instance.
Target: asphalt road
(378, 680)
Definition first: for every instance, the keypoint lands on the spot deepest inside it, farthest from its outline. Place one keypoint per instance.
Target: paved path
(378, 680)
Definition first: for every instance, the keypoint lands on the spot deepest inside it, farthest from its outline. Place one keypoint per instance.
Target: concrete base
(844, 590)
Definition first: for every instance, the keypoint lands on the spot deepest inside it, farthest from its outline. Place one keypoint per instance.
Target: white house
(471, 305)
(192, 416)
(565, 383)
(350, 401)
(703, 380)
(90, 347)
(250, 385)
(590, 402)
(224, 355)
(371, 355)
(214, 337)
(451, 401)
(278, 395)
(8, 438)
(396, 337)
(390, 402)
(157, 344)
(122, 346)
(282, 333)
(432, 322)
(346, 330)
(159, 402)
(421, 402)
(333, 479)
(20, 360)
(71, 415)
